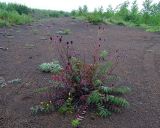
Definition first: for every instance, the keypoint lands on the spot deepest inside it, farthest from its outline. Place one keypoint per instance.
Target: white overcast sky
(68, 5)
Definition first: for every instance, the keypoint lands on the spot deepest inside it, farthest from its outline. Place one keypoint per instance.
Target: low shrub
(8, 18)
(153, 29)
(44, 107)
(3, 23)
(53, 67)
(15, 18)
(117, 20)
(54, 14)
(94, 18)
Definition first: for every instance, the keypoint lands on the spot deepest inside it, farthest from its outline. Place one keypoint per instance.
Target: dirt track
(28, 46)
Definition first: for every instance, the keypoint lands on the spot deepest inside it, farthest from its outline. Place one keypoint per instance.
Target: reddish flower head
(51, 38)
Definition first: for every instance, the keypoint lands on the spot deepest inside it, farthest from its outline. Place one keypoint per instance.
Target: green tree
(123, 11)
(109, 12)
(147, 9)
(83, 10)
(134, 14)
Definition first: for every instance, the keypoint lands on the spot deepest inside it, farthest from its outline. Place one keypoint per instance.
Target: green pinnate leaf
(118, 101)
(94, 97)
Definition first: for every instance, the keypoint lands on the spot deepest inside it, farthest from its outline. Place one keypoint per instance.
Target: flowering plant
(82, 86)
(86, 86)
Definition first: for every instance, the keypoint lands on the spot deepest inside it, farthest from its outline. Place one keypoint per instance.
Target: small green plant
(44, 107)
(75, 123)
(53, 67)
(15, 81)
(67, 106)
(64, 32)
(103, 54)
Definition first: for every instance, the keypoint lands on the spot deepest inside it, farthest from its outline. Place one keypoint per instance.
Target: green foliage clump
(56, 14)
(107, 101)
(11, 14)
(53, 67)
(125, 14)
(94, 18)
(21, 9)
(118, 101)
(67, 107)
(75, 123)
(42, 14)
(117, 21)
(3, 23)
(103, 69)
(116, 90)
(102, 111)
(94, 98)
